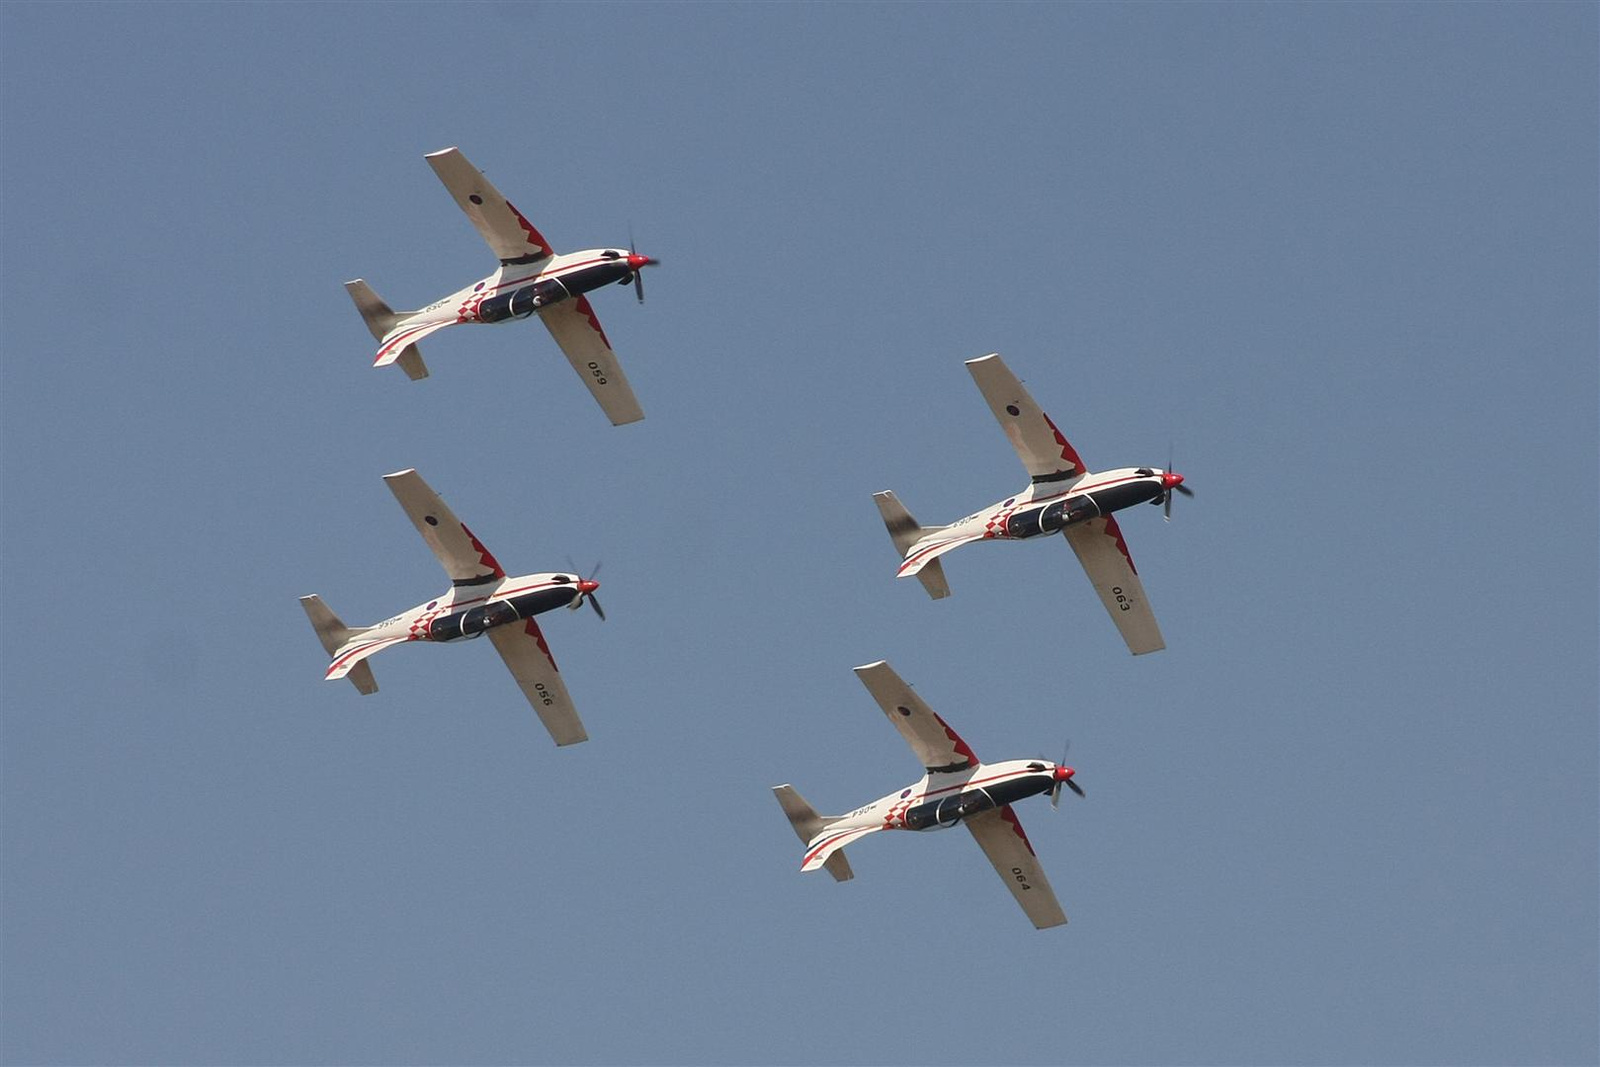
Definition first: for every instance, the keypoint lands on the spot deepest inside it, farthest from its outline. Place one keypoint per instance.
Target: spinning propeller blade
(638, 263)
(1063, 775)
(1171, 481)
(586, 588)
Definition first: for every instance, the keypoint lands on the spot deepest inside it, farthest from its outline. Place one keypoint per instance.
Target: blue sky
(1341, 259)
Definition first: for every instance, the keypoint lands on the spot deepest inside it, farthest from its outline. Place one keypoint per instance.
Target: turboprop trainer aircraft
(480, 600)
(1062, 496)
(956, 788)
(531, 279)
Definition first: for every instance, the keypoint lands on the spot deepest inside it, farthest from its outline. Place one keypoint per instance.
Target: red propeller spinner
(1062, 776)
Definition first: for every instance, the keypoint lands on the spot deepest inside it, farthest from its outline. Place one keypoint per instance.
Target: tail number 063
(1123, 603)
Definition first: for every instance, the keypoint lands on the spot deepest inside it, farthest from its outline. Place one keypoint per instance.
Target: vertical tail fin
(807, 825)
(905, 531)
(380, 319)
(334, 635)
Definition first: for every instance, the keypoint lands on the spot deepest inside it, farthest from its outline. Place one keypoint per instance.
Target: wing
(1040, 446)
(465, 559)
(1104, 556)
(940, 748)
(822, 848)
(526, 654)
(1000, 836)
(929, 549)
(576, 329)
(510, 236)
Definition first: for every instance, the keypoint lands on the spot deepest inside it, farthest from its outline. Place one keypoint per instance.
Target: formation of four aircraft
(1062, 495)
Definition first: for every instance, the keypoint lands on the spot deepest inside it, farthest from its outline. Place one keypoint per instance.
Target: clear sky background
(1341, 259)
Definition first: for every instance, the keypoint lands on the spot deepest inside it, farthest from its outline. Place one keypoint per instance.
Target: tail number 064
(1022, 879)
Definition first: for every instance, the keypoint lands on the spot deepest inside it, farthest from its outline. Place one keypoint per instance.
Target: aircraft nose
(588, 585)
(635, 261)
(1063, 773)
(1171, 480)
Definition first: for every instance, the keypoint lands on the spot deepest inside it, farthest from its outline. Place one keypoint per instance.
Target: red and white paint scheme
(531, 280)
(956, 788)
(1062, 496)
(481, 600)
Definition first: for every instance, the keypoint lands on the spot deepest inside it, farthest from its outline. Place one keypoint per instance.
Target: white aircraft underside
(956, 788)
(1063, 496)
(531, 280)
(481, 599)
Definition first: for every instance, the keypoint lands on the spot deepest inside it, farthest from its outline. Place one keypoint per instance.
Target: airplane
(1062, 496)
(481, 600)
(957, 788)
(531, 279)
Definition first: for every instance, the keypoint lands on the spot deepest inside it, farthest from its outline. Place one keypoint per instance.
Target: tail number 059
(599, 375)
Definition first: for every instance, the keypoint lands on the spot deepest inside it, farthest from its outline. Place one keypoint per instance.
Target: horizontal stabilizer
(903, 527)
(411, 362)
(378, 316)
(381, 320)
(361, 677)
(401, 343)
(807, 825)
(828, 846)
(331, 630)
(335, 635)
(348, 660)
(802, 816)
(932, 578)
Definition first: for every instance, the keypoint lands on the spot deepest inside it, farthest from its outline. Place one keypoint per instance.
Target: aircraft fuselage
(518, 290)
(1047, 507)
(942, 799)
(467, 611)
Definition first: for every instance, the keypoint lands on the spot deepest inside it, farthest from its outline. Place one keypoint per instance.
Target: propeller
(1063, 776)
(1171, 481)
(586, 588)
(637, 263)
